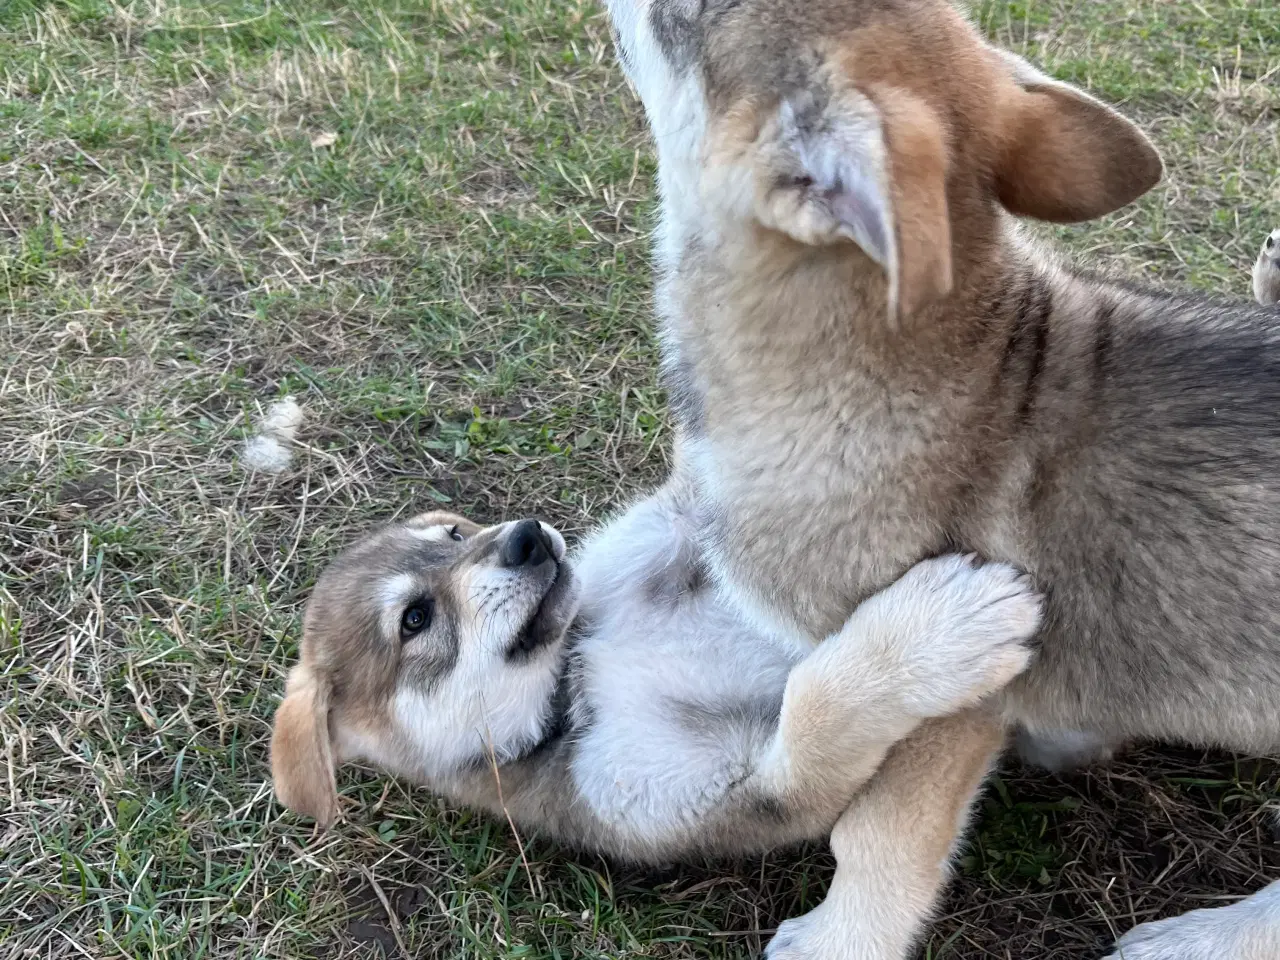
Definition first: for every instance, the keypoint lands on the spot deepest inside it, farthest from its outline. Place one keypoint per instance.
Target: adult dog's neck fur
(791, 346)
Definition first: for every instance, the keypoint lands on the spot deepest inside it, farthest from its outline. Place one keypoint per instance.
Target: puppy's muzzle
(525, 546)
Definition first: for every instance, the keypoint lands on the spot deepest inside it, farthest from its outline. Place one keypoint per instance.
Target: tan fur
(918, 160)
(896, 842)
(433, 518)
(1064, 159)
(1056, 153)
(302, 763)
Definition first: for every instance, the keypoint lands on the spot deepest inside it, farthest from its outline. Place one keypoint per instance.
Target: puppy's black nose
(525, 546)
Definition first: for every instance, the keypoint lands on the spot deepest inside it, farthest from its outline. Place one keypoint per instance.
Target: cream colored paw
(1248, 930)
(965, 628)
(815, 936)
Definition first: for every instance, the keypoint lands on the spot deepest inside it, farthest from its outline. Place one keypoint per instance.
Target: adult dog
(870, 365)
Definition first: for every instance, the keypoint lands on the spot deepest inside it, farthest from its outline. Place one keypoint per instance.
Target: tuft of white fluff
(270, 450)
(1266, 271)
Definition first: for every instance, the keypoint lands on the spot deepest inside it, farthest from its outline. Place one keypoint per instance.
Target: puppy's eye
(1271, 242)
(416, 619)
(455, 535)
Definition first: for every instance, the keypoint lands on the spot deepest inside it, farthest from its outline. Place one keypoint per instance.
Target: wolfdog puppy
(612, 700)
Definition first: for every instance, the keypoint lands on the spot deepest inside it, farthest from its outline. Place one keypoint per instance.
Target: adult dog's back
(1142, 484)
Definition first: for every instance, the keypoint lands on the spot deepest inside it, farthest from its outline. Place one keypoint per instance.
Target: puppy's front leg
(945, 635)
(894, 843)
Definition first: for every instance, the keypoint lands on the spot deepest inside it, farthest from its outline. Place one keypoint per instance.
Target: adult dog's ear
(869, 168)
(1064, 156)
(302, 764)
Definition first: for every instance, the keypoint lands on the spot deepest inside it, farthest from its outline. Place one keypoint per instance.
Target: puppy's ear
(302, 765)
(870, 169)
(1064, 156)
(443, 518)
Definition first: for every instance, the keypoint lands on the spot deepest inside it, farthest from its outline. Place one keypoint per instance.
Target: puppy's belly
(681, 696)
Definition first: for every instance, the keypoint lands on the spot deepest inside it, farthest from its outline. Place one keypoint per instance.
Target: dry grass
(427, 222)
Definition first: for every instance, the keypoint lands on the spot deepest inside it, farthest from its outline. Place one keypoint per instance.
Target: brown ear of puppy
(302, 765)
(445, 518)
(867, 168)
(1066, 157)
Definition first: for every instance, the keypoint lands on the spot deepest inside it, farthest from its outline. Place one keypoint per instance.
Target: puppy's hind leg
(894, 844)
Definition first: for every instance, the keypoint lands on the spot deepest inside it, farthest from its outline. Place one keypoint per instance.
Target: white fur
(1248, 930)
(486, 703)
(393, 594)
(678, 130)
(947, 625)
(848, 194)
(282, 420)
(637, 764)
(1060, 750)
(1266, 271)
(436, 533)
(856, 921)
(270, 450)
(266, 455)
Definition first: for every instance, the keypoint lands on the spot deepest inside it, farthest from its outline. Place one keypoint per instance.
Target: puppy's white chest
(676, 711)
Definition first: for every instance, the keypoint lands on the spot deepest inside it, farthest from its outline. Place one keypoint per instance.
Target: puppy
(870, 364)
(613, 701)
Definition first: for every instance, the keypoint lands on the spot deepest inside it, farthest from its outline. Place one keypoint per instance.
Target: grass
(427, 221)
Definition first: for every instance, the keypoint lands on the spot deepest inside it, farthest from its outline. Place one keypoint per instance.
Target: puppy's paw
(1248, 930)
(965, 630)
(1266, 271)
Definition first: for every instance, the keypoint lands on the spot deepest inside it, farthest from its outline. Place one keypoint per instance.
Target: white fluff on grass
(270, 450)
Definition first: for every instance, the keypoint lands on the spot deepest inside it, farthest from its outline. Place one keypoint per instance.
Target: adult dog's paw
(965, 627)
(1248, 930)
(817, 935)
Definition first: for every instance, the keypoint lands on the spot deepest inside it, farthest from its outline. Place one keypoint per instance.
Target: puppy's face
(427, 648)
(887, 125)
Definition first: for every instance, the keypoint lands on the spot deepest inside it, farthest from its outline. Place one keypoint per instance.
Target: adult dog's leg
(1248, 930)
(894, 844)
